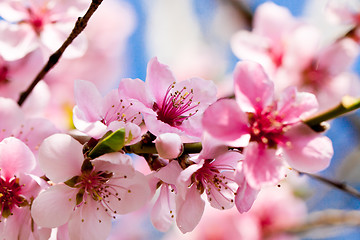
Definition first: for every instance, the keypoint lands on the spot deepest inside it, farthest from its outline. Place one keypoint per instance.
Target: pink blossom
(86, 194)
(291, 53)
(15, 76)
(167, 105)
(272, 126)
(32, 131)
(17, 188)
(275, 210)
(34, 24)
(95, 115)
(169, 145)
(163, 213)
(212, 173)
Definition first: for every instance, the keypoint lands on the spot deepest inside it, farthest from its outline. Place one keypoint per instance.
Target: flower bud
(169, 145)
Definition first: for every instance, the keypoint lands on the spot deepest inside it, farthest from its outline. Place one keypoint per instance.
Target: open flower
(95, 115)
(272, 126)
(46, 24)
(87, 194)
(17, 189)
(167, 105)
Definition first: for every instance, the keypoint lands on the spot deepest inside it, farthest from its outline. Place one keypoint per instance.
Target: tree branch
(54, 58)
(339, 185)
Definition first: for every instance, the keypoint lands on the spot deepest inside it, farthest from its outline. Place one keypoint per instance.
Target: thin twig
(326, 218)
(339, 185)
(54, 58)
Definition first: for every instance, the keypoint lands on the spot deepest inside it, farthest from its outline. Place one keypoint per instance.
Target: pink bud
(169, 145)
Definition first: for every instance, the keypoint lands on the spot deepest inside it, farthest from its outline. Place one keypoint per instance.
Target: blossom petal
(245, 194)
(11, 117)
(294, 106)
(88, 100)
(60, 157)
(169, 173)
(90, 221)
(163, 211)
(54, 206)
(262, 166)
(226, 121)
(159, 79)
(133, 193)
(253, 89)
(15, 158)
(136, 89)
(308, 151)
(189, 210)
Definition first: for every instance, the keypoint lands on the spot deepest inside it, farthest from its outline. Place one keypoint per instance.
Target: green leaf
(111, 142)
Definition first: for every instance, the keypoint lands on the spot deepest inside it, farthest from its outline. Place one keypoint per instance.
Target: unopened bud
(169, 145)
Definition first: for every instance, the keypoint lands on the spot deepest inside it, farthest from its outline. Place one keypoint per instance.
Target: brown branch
(54, 58)
(339, 185)
(326, 218)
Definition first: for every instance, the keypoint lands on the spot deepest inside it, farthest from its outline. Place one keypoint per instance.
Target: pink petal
(226, 121)
(59, 201)
(339, 56)
(16, 40)
(158, 127)
(204, 91)
(136, 89)
(189, 210)
(34, 131)
(90, 221)
(245, 194)
(211, 147)
(169, 173)
(294, 106)
(88, 100)
(262, 166)
(158, 79)
(60, 157)
(307, 150)
(163, 211)
(118, 163)
(272, 21)
(134, 193)
(95, 129)
(11, 117)
(253, 89)
(15, 158)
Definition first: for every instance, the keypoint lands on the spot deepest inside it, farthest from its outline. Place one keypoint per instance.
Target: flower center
(313, 77)
(4, 70)
(122, 112)
(176, 106)
(266, 128)
(10, 195)
(217, 180)
(36, 21)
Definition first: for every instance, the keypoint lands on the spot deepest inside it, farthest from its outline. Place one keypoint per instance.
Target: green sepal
(72, 181)
(111, 142)
(80, 196)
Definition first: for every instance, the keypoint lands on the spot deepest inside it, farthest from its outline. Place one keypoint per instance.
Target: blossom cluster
(196, 149)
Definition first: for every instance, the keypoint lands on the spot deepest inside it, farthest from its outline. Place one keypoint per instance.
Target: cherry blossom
(14, 123)
(167, 105)
(291, 52)
(87, 193)
(95, 115)
(17, 189)
(33, 24)
(272, 126)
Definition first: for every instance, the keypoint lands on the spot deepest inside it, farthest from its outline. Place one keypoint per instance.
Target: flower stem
(346, 105)
(54, 58)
